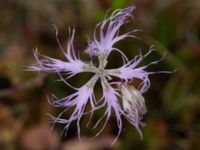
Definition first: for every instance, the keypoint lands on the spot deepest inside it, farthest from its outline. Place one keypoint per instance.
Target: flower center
(101, 71)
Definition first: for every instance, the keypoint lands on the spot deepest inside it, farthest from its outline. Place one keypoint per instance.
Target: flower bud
(133, 105)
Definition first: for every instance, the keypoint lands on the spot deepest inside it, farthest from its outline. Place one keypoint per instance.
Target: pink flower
(118, 97)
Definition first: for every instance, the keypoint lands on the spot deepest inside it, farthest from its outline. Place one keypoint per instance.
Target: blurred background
(173, 101)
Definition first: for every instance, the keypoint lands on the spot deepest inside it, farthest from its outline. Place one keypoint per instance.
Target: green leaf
(118, 4)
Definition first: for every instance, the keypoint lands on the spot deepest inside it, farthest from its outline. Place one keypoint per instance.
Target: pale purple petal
(108, 31)
(72, 66)
(52, 65)
(110, 96)
(79, 100)
(131, 71)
